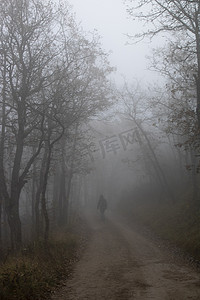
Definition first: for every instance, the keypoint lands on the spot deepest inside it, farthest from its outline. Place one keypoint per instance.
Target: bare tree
(177, 16)
(25, 58)
(137, 110)
(48, 70)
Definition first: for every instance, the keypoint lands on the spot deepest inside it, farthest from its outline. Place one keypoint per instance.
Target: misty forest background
(68, 133)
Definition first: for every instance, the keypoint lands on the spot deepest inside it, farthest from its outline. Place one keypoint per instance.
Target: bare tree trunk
(194, 179)
(177, 152)
(56, 205)
(85, 191)
(43, 193)
(48, 150)
(0, 223)
(66, 204)
(156, 164)
(62, 195)
(33, 192)
(197, 77)
(70, 175)
(15, 223)
(12, 200)
(38, 196)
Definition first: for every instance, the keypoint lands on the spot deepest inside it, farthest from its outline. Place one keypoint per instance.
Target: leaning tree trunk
(156, 164)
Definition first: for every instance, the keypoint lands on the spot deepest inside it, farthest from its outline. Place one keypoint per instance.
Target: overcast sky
(111, 20)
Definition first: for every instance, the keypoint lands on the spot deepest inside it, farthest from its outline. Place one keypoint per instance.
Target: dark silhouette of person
(102, 206)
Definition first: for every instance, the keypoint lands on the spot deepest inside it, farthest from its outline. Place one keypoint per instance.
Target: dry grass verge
(38, 269)
(177, 222)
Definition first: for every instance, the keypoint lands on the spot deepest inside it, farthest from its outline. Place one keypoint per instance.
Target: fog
(99, 149)
(128, 161)
(88, 111)
(111, 21)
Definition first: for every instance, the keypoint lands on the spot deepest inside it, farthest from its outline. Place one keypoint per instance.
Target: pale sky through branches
(110, 19)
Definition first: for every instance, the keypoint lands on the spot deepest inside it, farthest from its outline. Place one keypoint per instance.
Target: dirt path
(120, 263)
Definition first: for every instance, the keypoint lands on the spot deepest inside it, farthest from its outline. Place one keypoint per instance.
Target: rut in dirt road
(120, 263)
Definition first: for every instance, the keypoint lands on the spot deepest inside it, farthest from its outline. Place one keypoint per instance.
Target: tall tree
(24, 45)
(182, 16)
(48, 69)
(138, 111)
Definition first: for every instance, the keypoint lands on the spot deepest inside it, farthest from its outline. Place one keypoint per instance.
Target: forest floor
(123, 262)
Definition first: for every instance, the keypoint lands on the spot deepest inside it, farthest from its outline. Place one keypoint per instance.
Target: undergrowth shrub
(177, 222)
(38, 269)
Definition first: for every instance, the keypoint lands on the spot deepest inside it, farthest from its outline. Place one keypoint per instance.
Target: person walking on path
(102, 206)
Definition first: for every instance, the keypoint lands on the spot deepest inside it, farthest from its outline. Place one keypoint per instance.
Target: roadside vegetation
(164, 194)
(177, 223)
(53, 80)
(39, 268)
